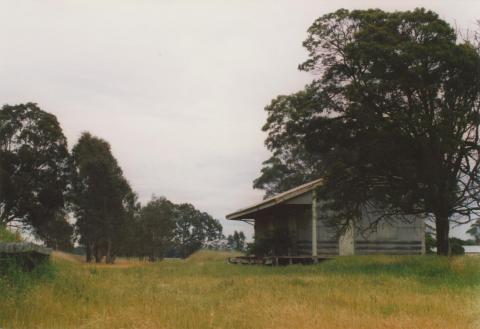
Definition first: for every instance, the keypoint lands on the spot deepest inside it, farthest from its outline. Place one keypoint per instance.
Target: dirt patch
(67, 256)
(119, 263)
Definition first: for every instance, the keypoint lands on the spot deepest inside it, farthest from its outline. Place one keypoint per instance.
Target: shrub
(15, 280)
(8, 236)
(277, 242)
(456, 245)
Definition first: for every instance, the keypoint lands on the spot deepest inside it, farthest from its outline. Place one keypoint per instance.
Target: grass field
(205, 292)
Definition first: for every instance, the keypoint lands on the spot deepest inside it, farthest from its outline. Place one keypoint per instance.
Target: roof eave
(242, 213)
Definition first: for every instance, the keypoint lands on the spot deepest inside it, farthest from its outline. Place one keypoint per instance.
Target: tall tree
(102, 197)
(57, 232)
(128, 231)
(193, 229)
(34, 171)
(236, 241)
(291, 164)
(157, 225)
(394, 118)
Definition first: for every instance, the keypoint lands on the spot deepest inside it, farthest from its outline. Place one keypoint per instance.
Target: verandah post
(314, 223)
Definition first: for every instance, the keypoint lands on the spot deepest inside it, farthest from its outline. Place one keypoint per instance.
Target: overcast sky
(177, 87)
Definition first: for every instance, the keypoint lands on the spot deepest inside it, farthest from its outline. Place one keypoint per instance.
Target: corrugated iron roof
(279, 198)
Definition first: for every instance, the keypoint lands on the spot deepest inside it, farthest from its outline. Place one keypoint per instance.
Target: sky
(178, 87)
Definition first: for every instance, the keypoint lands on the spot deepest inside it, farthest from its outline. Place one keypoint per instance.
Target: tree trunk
(98, 254)
(108, 256)
(107, 252)
(89, 250)
(443, 228)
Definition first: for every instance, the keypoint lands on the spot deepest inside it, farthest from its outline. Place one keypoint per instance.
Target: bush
(456, 245)
(8, 236)
(15, 280)
(430, 243)
(277, 242)
(261, 246)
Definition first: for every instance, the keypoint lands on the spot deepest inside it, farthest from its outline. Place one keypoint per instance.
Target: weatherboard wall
(393, 236)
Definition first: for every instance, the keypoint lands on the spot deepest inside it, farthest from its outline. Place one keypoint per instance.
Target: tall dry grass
(205, 292)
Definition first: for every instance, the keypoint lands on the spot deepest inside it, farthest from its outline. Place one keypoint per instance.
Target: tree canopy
(34, 172)
(193, 229)
(111, 222)
(236, 241)
(42, 185)
(156, 227)
(474, 231)
(102, 197)
(391, 122)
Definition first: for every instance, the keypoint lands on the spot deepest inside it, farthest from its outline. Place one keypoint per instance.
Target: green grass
(430, 270)
(15, 282)
(7, 235)
(205, 292)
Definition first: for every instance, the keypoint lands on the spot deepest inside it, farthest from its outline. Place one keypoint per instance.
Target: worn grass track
(205, 292)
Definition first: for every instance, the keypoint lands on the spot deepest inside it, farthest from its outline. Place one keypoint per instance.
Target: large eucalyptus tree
(391, 119)
(34, 173)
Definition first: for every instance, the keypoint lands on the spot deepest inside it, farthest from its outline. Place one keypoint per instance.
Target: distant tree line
(232, 242)
(237, 241)
(42, 184)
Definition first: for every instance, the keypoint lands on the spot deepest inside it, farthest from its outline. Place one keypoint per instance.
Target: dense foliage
(164, 229)
(474, 231)
(236, 241)
(153, 229)
(391, 122)
(34, 173)
(110, 221)
(42, 185)
(193, 230)
(102, 197)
